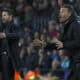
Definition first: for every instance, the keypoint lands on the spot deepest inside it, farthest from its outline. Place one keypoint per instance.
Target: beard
(4, 21)
(62, 20)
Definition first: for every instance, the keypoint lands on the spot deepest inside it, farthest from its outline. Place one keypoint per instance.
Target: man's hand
(2, 35)
(58, 43)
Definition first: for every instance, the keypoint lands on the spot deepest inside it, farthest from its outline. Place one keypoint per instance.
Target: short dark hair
(10, 11)
(69, 7)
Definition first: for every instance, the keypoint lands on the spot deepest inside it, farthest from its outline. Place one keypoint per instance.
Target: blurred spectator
(12, 3)
(36, 35)
(43, 40)
(26, 32)
(25, 38)
(65, 61)
(41, 15)
(43, 37)
(16, 21)
(28, 40)
(44, 31)
(20, 10)
(40, 4)
(25, 42)
(37, 40)
(60, 2)
(28, 15)
(52, 29)
(56, 71)
(44, 62)
(55, 65)
(48, 39)
(6, 4)
(30, 59)
(54, 10)
(53, 55)
(20, 5)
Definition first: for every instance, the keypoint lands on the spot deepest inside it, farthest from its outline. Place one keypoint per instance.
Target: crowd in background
(39, 24)
(36, 13)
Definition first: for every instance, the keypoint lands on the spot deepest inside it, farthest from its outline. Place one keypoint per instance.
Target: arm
(14, 34)
(71, 44)
(75, 43)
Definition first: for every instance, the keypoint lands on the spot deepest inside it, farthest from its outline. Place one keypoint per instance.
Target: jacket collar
(71, 19)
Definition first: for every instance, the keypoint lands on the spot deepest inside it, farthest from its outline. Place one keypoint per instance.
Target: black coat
(71, 36)
(10, 43)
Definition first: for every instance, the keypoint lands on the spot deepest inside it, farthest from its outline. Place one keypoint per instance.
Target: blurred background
(39, 22)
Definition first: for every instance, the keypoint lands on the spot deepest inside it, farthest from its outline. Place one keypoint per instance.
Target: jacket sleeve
(15, 33)
(75, 43)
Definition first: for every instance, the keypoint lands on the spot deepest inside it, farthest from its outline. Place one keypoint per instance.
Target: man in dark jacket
(9, 36)
(71, 33)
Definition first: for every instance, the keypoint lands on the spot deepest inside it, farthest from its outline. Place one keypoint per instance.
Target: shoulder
(75, 25)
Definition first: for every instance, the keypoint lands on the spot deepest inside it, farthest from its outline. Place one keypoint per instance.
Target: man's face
(5, 16)
(36, 35)
(55, 64)
(51, 26)
(64, 14)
